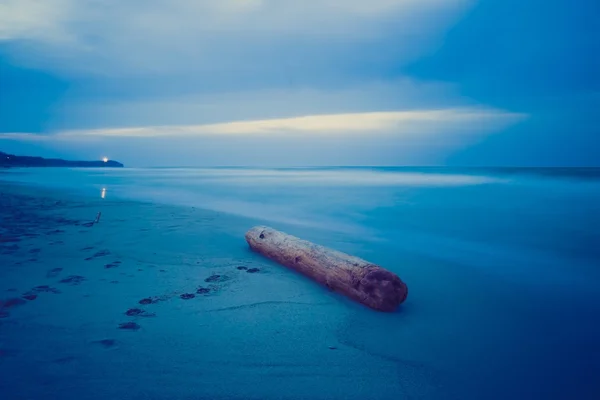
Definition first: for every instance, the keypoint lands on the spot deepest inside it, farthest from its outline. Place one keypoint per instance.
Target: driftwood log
(358, 279)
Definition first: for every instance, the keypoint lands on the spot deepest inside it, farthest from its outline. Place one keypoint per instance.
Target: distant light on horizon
(105, 159)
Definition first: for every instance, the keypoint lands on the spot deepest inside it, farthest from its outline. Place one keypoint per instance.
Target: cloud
(24, 136)
(190, 62)
(76, 111)
(163, 36)
(416, 137)
(57, 20)
(407, 123)
(33, 19)
(198, 82)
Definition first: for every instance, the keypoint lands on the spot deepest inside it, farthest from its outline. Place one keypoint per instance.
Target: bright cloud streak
(443, 121)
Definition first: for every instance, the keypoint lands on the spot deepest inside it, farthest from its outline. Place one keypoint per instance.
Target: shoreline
(111, 295)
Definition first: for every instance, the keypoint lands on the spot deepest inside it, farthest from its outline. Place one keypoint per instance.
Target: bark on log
(358, 279)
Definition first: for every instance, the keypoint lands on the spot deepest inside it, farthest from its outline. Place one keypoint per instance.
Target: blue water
(503, 266)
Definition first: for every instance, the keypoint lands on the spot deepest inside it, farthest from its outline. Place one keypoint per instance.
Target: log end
(254, 235)
(384, 290)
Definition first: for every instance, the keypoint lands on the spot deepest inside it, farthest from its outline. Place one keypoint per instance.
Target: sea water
(502, 265)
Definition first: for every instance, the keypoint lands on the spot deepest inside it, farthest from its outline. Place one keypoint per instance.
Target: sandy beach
(68, 289)
(160, 301)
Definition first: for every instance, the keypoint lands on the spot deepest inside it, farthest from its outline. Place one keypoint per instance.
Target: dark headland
(10, 160)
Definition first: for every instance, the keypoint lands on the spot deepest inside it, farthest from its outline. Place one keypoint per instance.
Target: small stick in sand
(358, 279)
(98, 217)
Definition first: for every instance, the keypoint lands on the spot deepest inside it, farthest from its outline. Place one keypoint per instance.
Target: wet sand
(168, 302)
(158, 302)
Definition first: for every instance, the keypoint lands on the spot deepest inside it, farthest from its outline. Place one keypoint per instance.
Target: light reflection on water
(466, 206)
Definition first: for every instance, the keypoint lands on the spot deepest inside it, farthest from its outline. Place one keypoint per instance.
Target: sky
(302, 83)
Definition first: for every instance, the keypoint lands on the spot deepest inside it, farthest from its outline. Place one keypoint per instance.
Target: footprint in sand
(137, 312)
(187, 296)
(9, 303)
(129, 326)
(9, 239)
(203, 290)
(101, 253)
(73, 280)
(148, 300)
(106, 343)
(113, 264)
(217, 278)
(45, 289)
(13, 302)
